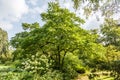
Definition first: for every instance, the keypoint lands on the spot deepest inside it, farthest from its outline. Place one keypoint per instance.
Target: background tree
(107, 7)
(3, 42)
(111, 33)
(111, 40)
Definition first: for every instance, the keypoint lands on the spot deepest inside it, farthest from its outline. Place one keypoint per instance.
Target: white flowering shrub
(36, 64)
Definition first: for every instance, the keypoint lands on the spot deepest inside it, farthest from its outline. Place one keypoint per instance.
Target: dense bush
(36, 64)
(71, 65)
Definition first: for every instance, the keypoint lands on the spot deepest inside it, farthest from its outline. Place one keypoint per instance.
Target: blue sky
(15, 12)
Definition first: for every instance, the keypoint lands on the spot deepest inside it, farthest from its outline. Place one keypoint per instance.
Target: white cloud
(67, 5)
(38, 10)
(33, 2)
(94, 21)
(11, 11)
(116, 16)
(6, 25)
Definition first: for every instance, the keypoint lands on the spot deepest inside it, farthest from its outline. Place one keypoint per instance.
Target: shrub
(69, 73)
(70, 66)
(36, 64)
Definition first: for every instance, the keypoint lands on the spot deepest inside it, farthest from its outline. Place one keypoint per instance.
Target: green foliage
(115, 68)
(112, 53)
(80, 69)
(70, 67)
(3, 42)
(116, 65)
(30, 26)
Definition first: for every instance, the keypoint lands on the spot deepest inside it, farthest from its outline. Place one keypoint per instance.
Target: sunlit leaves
(30, 26)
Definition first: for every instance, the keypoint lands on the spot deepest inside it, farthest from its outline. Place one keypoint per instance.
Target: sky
(15, 12)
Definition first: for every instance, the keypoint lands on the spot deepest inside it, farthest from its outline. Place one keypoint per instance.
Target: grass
(104, 78)
(99, 77)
